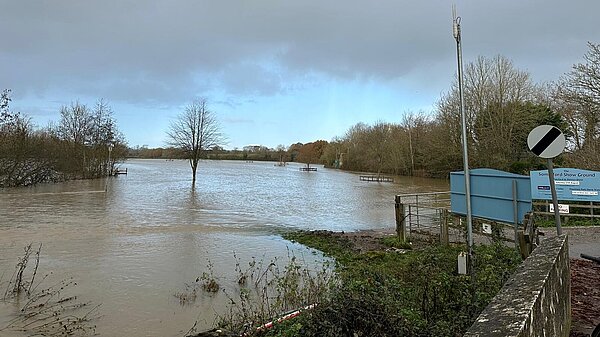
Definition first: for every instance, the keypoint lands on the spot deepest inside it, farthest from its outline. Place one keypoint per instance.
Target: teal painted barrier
(492, 195)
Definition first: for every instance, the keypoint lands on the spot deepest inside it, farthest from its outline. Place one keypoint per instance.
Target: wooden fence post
(400, 220)
(444, 237)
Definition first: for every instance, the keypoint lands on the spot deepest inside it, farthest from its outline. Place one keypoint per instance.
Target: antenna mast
(456, 32)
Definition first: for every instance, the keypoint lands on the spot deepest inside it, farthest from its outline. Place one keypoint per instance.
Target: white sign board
(486, 228)
(571, 184)
(562, 208)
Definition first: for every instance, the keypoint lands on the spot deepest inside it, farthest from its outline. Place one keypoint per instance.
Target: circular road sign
(546, 141)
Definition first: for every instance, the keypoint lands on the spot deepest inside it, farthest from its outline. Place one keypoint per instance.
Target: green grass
(394, 242)
(415, 293)
(336, 247)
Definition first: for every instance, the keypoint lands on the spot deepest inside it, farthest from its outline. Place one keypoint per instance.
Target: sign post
(554, 198)
(547, 141)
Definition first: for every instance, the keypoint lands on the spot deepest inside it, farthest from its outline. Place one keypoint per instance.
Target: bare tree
(495, 96)
(195, 131)
(9, 120)
(377, 140)
(414, 127)
(4, 103)
(75, 123)
(577, 97)
(581, 88)
(88, 133)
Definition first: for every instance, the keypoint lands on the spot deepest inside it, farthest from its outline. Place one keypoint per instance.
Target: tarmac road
(584, 240)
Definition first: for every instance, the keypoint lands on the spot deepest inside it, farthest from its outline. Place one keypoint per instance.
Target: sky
(273, 71)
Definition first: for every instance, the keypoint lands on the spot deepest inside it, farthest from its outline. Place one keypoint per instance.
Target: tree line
(309, 153)
(77, 147)
(503, 105)
(501, 102)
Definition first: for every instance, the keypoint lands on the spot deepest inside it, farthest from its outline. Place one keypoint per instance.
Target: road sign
(546, 141)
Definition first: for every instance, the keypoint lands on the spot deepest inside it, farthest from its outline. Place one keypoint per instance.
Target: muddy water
(133, 241)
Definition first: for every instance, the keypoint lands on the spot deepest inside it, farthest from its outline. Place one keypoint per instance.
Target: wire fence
(430, 214)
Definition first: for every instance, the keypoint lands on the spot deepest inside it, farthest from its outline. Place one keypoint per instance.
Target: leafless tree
(10, 121)
(578, 99)
(88, 133)
(75, 123)
(4, 103)
(495, 94)
(195, 131)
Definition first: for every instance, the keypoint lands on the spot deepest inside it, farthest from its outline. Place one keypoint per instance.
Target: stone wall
(536, 301)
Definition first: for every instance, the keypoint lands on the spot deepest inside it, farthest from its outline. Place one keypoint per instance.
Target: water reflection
(132, 247)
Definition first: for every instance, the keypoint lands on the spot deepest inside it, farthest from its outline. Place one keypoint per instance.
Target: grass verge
(399, 293)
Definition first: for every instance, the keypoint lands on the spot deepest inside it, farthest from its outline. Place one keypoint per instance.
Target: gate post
(444, 237)
(400, 220)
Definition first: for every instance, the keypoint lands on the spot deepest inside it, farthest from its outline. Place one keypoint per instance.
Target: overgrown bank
(85, 143)
(399, 292)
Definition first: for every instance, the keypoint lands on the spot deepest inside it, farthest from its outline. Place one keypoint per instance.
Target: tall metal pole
(457, 37)
(515, 212)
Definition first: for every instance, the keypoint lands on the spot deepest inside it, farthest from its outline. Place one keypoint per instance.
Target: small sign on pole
(547, 141)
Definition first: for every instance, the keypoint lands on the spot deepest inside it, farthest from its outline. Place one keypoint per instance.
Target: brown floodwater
(131, 242)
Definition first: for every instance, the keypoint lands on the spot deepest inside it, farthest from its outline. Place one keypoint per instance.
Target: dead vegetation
(261, 292)
(45, 311)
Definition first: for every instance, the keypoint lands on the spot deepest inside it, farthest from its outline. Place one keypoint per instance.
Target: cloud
(146, 52)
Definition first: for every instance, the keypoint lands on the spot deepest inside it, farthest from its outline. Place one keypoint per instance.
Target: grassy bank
(399, 292)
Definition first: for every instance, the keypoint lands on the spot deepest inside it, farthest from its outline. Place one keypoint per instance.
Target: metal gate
(422, 212)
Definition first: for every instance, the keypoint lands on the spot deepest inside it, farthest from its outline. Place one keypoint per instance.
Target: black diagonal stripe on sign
(546, 141)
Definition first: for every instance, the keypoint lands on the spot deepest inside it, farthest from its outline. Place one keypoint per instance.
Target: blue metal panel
(571, 184)
(491, 194)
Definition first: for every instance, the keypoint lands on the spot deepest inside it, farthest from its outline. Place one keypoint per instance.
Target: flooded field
(131, 242)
